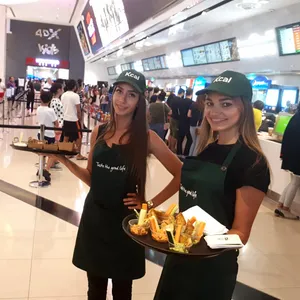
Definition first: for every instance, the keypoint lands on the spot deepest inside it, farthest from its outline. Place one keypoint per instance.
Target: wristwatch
(150, 204)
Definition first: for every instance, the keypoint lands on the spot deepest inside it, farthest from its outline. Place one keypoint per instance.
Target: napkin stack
(224, 241)
(214, 230)
(213, 227)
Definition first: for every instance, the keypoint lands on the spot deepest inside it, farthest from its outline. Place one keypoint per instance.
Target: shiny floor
(36, 247)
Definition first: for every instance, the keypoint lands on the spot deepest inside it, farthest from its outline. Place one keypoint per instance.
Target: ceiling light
(14, 2)
(251, 4)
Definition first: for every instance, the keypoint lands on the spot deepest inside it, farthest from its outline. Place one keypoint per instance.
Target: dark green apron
(187, 278)
(102, 248)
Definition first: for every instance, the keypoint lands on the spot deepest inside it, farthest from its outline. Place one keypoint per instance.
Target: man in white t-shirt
(72, 117)
(46, 116)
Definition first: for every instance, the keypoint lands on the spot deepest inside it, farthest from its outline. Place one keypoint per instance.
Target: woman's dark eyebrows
(225, 99)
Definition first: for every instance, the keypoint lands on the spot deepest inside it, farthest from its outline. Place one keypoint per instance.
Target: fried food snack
(160, 236)
(139, 230)
(180, 220)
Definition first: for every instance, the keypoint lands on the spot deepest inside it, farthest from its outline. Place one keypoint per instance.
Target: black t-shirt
(183, 108)
(175, 107)
(246, 169)
(196, 118)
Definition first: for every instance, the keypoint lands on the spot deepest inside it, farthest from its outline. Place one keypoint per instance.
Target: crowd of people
(175, 118)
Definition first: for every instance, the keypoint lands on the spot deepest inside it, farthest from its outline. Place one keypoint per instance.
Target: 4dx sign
(49, 34)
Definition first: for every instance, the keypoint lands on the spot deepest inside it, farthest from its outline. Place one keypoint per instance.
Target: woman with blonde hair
(230, 177)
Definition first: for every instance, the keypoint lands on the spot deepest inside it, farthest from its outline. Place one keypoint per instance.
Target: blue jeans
(159, 129)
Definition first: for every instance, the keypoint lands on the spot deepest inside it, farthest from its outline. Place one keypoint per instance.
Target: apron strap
(231, 156)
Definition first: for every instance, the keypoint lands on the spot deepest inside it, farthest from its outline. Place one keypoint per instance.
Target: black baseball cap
(134, 78)
(232, 84)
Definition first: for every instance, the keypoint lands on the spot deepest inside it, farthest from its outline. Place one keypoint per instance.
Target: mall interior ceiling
(165, 27)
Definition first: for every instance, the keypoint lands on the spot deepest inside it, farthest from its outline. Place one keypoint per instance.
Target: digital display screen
(155, 63)
(272, 97)
(288, 38)
(288, 96)
(83, 40)
(199, 55)
(222, 51)
(111, 19)
(90, 24)
(127, 66)
(111, 71)
(282, 123)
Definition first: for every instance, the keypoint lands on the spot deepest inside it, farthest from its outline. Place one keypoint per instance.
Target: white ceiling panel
(45, 11)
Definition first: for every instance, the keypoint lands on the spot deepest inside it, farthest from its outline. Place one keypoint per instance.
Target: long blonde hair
(246, 130)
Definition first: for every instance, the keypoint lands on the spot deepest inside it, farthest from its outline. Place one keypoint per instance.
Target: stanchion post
(88, 126)
(23, 112)
(42, 158)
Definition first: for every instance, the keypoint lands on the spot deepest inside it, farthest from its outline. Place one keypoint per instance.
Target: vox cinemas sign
(48, 37)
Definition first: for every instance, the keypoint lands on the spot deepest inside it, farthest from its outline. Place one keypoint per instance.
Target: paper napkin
(213, 227)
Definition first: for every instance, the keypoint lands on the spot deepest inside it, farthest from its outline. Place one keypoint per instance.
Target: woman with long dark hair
(116, 173)
(229, 177)
(30, 98)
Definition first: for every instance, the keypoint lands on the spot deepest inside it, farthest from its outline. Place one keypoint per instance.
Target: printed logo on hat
(130, 74)
(223, 79)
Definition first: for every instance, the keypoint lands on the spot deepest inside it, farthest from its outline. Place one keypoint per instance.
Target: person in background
(47, 85)
(170, 98)
(174, 121)
(11, 85)
(56, 104)
(80, 91)
(150, 93)
(11, 82)
(30, 98)
(228, 179)
(155, 95)
(196, 115)
(290, 155)
(104, 100)
(184, 124)
(159, 112)
(72, 117)
(116, 174)
(258, 107)
(2, 90)
(269, 121)
(46, 116)
(37, 90)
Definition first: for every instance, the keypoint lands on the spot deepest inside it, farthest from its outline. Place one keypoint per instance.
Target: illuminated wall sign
(199, 84)
(47, 62)
(261, 83)
(258, 45)
(48, 33)
(46, 49)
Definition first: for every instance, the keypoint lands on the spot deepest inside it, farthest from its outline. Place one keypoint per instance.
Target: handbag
(166, 124)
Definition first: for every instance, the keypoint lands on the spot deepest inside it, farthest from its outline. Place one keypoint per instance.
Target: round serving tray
(201, 249)
(26, 149)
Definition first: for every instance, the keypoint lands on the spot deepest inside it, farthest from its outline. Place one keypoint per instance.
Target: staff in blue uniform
(230, 177)
(116, 173)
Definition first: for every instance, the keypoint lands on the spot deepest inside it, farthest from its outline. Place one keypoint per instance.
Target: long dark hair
(137, 147)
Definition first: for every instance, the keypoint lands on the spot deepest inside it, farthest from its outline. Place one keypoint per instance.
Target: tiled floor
(36, 247)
